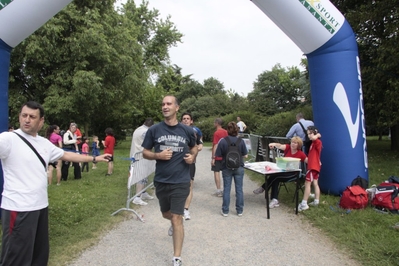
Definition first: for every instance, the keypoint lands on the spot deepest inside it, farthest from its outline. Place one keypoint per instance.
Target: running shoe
(146, 196)
(302, 207)
(274, 204)
(139, 201)
(186, 215)
(177, 262)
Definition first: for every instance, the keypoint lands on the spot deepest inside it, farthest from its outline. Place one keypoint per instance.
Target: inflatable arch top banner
(315, 26)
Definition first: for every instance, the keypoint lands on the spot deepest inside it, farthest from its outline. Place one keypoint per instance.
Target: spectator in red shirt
(79, 136)
(109, 144)
(217, 161)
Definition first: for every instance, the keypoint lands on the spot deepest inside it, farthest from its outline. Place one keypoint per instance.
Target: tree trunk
(395, 138)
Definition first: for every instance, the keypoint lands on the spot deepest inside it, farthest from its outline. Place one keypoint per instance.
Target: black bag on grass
(360, 181)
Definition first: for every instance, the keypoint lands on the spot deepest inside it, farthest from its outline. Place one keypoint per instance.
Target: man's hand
(165, 154)
(104, 158)
(189, 158)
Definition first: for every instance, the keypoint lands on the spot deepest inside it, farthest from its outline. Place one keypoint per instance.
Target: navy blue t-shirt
(179, 138)
(222, 150)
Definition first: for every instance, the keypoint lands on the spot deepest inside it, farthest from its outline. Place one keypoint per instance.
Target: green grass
(366, 235)
(80, 210)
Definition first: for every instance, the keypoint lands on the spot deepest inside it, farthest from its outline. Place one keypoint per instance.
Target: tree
(172, 80)
(92, 64)
(213, 86)
(376, 25)
(278, 90)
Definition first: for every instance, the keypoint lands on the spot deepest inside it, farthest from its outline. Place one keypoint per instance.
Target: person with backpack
(290, 150)
(299, 129)
(232, 150)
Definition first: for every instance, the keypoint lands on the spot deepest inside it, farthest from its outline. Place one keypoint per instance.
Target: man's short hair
(149, 122)
(299, 116)
(219, 121)
(186, 113)
(176, 100)
(34, 105)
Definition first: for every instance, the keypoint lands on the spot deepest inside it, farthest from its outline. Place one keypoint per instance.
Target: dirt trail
(211, 239)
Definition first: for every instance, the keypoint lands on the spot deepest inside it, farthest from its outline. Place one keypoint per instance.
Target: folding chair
(254, 142)
(294, 179)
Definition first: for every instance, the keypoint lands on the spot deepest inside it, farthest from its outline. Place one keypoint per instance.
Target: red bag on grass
(386, 197)
(354, 197)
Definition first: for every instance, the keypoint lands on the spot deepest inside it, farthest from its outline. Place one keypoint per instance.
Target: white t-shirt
(241, 125)
(137, 140)
(25, 177)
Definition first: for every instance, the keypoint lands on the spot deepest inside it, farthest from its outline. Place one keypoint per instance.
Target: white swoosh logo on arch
(341, 100)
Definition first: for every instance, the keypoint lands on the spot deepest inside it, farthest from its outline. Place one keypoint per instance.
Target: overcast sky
(231, 40)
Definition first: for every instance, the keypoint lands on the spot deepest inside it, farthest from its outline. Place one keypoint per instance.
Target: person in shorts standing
(173, 146)
(187, 119)
(216, 163)
(109, 145)
(137, 140)
(314, 166)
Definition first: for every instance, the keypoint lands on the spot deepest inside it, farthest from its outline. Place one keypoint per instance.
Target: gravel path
(211, 239)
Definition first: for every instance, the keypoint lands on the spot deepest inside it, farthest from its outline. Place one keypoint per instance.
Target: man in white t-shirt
(137, 140)
(241, 125)
(25, 201)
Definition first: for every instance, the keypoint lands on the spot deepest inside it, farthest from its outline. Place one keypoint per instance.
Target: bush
(280, 124)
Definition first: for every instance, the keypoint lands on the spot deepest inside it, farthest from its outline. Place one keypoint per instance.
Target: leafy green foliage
(278, 90)
(91, 64)
(279, 124)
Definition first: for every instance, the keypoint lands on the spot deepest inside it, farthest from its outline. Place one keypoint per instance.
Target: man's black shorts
(217, 167)
(172, 197)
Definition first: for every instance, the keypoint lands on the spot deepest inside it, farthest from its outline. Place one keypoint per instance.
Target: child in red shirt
(85, 151)
(109, 144)
(314, 165)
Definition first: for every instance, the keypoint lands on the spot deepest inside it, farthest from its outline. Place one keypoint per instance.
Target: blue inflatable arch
(315, 26)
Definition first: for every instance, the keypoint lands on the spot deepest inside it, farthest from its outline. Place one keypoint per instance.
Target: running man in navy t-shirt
(173, 146)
